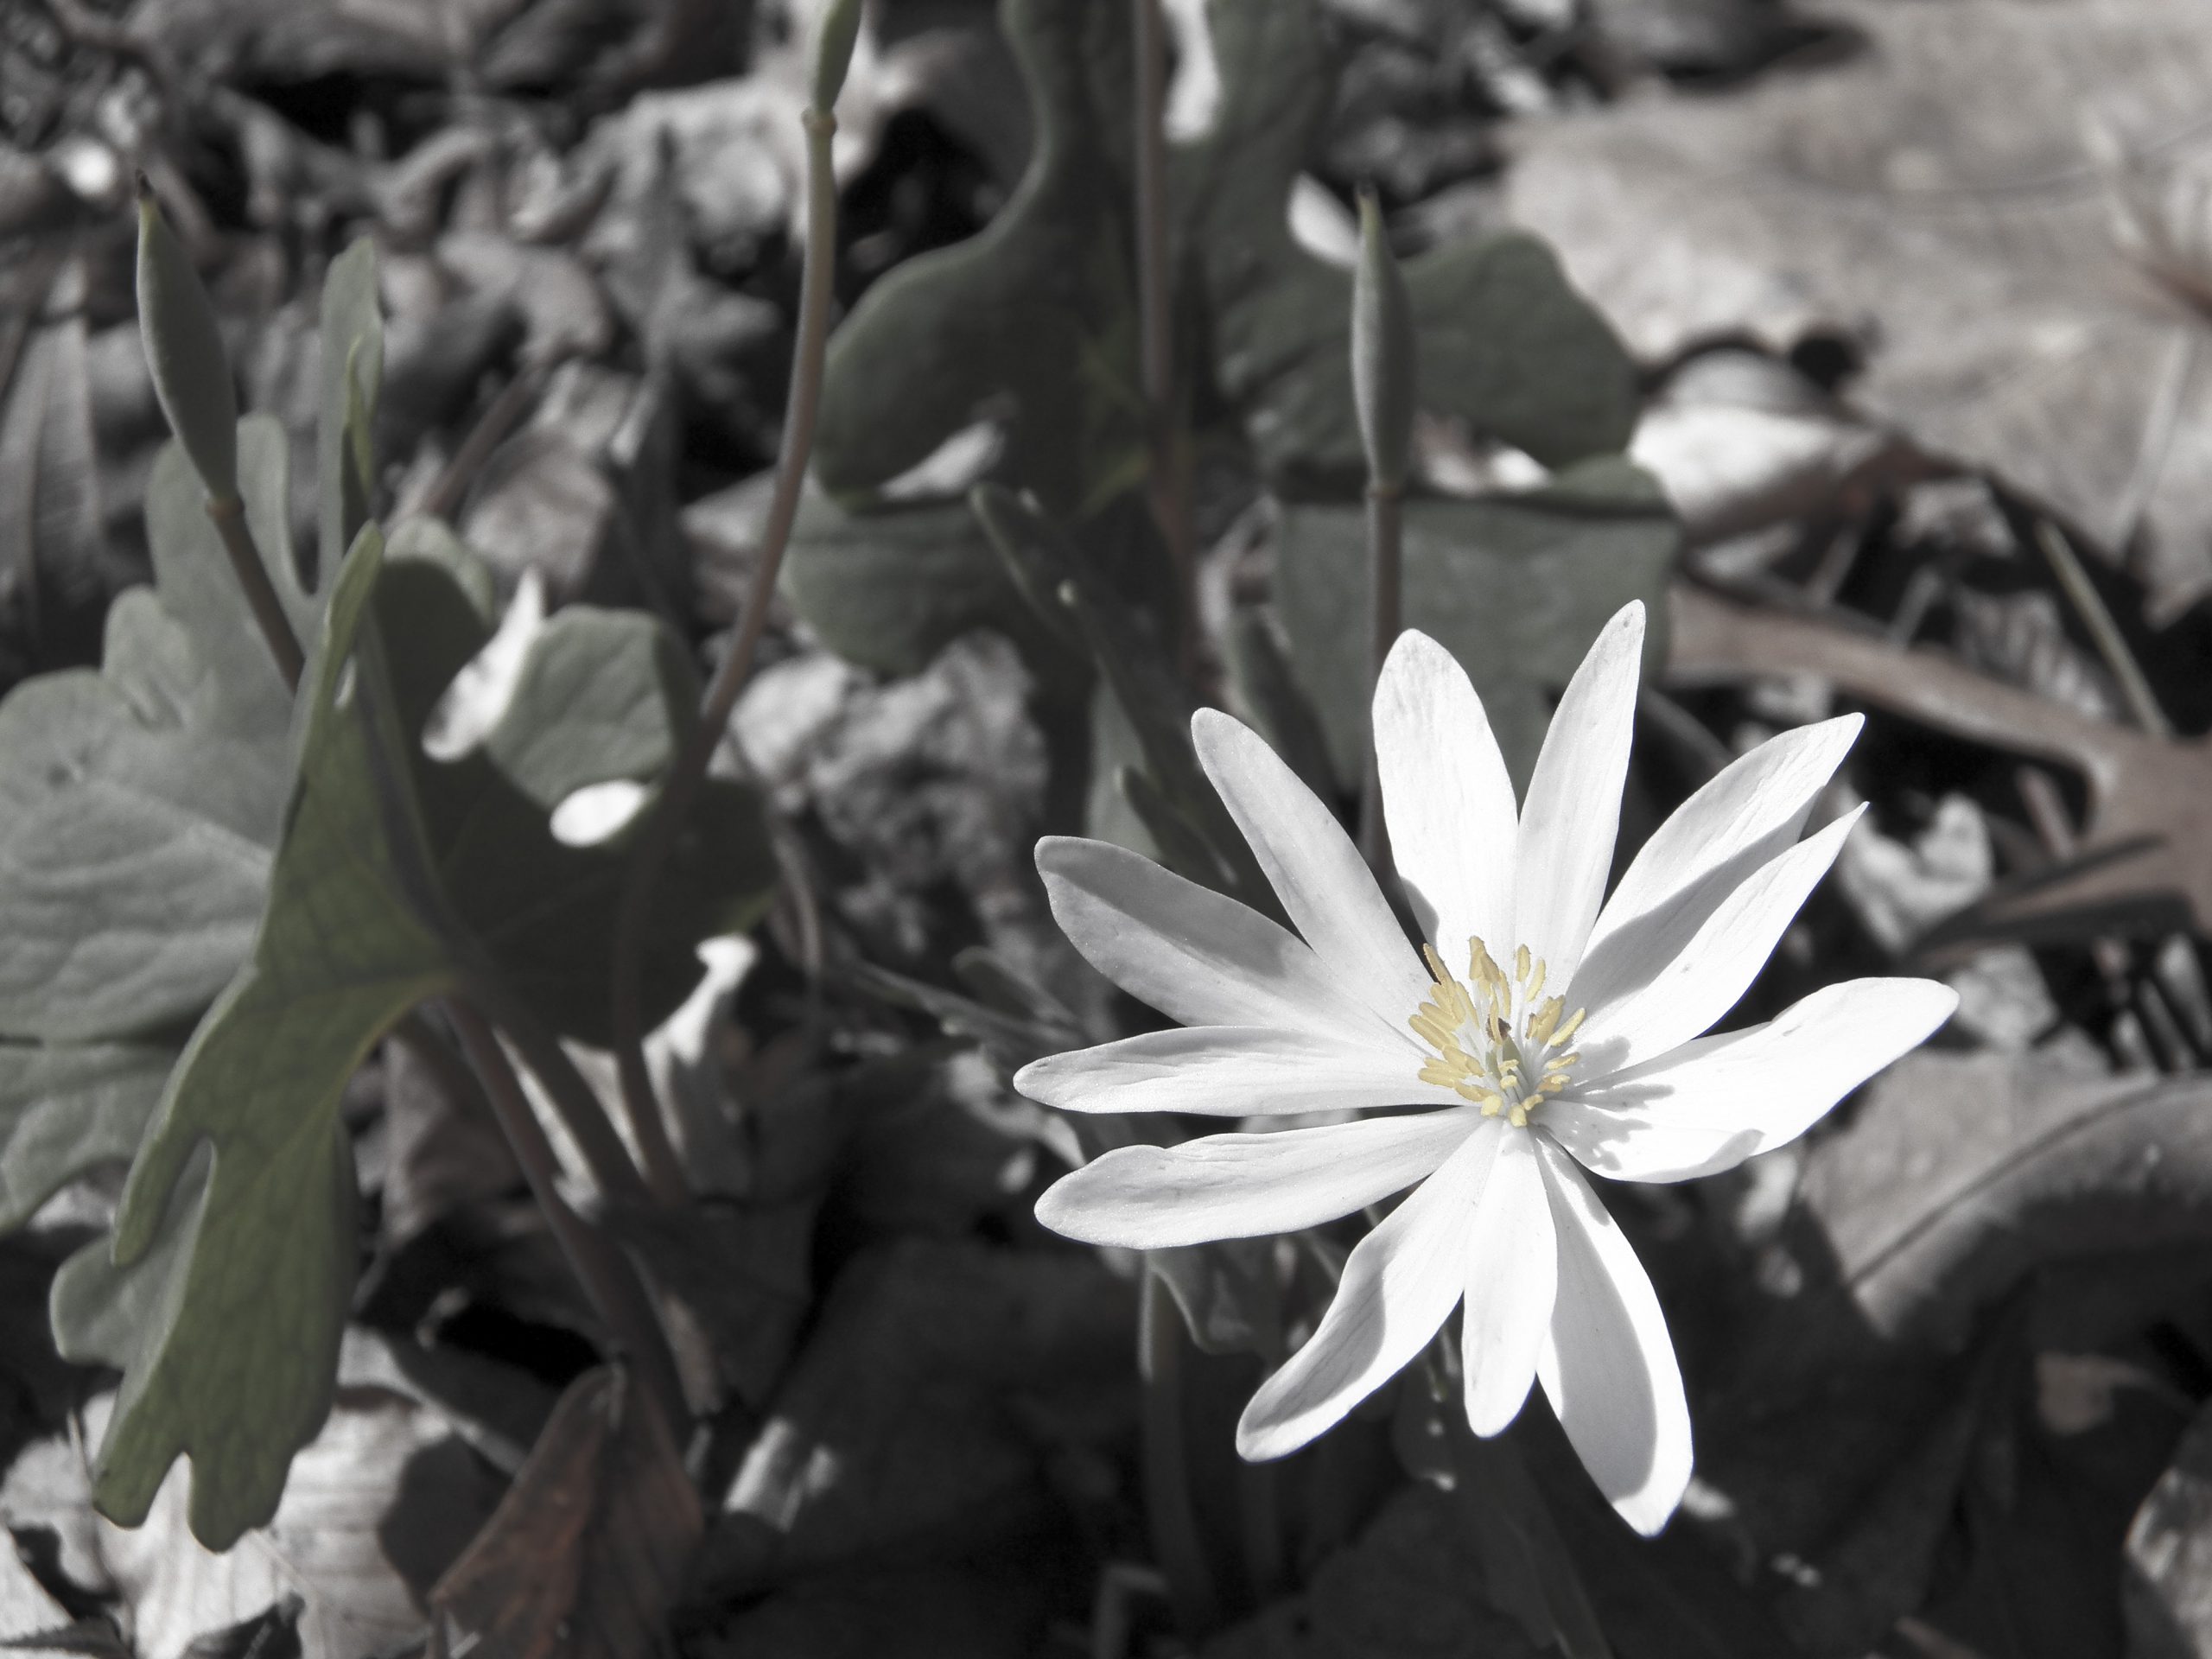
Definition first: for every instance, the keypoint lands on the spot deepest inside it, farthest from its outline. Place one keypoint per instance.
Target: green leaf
(889, 589)
(1515, 586)
(1504, 344)
(1032, 324)
(602, 696)
(398, 878)
(1033, 318)
(139, 805)
(352, 376)
(64, 1112)
(240, 1371)
(1179, 811)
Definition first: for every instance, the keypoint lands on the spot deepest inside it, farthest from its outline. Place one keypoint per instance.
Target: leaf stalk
(229, 515)
(656, 840)
(609, 1281)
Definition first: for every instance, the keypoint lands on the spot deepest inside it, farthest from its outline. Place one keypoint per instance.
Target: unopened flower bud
(833, 51)
(184, 350)
(1382, 353)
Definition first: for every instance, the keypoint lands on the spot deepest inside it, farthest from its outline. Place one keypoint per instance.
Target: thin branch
(656, 842)
(500, 418)
(2112, 644)
(609, 1281)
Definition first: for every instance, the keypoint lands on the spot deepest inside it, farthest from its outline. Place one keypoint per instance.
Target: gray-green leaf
(1515, 586)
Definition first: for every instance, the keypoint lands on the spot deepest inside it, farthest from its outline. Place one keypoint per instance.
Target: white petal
(1198, 957)
(1705, 849)
(1240, 1186)
(1608, 1365)
(1574, 808)
(1667, 1004)
(1229, 1071)
(1400, 1285)
(1447, 796)
(1512, 1281)
(1712, 1103)
(1324, 884)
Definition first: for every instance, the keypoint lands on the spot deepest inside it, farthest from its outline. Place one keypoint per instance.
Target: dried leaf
(2145, 865)
(1961, 1173)
(893, 1431)
(587, 1550)
(1928, 197)
(2166, 1594)
(377, 1507)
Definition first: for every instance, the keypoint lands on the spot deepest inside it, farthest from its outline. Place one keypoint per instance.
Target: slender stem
(491, 429)
(1169, 482)
(609, 1281)
(1385, 514)
(2142, 701)
(1168, 1506)
(657, 840)
(229, 515)
(573, 1097)
(422, 1039)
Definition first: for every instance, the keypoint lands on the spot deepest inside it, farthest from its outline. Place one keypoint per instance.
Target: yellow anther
(1566, 1033)
(1479, 1049)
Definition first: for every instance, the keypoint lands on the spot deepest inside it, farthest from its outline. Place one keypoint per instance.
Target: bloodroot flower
(1536, 1035)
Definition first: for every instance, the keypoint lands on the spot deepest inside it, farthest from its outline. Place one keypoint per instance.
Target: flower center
(1498, 1040)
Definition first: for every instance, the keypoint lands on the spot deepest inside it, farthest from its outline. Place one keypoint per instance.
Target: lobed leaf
(398, 878)
(1515, 586)
(139, 805)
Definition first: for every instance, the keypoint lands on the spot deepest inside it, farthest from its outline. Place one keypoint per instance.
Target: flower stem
(1169, 482)
(229, 515)
(609, 1281)
(657, 840)
(1168, 1508)
(1385, 549)
(573, 1097)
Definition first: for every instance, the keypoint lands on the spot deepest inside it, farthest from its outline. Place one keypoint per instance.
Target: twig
(229, 514)
(491, 428)
(657, 840)
(1169, 482)
(609, 1281)
(2089, 606)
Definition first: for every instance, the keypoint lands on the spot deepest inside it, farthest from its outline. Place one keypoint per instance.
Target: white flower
(1545, 1036)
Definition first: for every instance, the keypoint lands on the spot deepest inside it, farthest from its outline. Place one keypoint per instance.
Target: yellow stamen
(1520, 961)
(1566, 1033)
